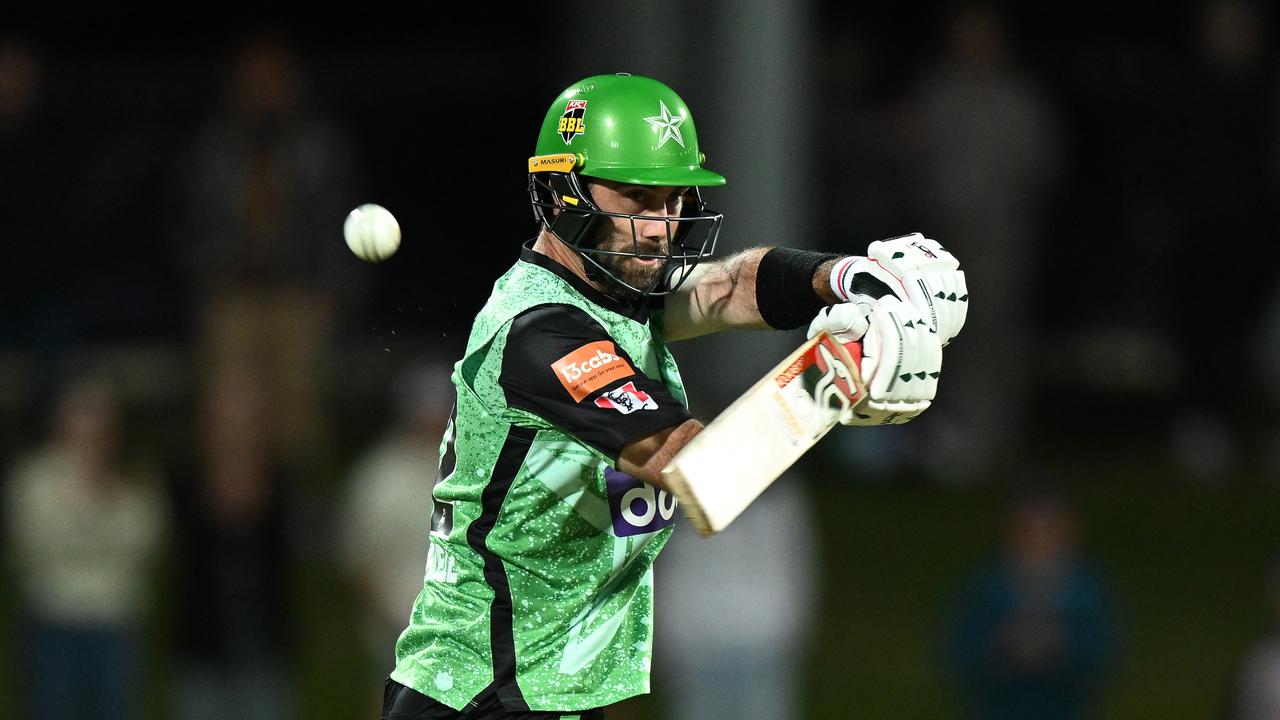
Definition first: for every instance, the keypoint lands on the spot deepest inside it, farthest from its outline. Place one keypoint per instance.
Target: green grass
(1185, 563)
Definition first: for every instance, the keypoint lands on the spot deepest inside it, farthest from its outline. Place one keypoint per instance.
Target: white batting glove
(901, 363)
(901, 358)
(863, 281)
(846, 322)
(932, 277)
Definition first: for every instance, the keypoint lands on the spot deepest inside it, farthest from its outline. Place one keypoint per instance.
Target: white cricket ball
(372, 233)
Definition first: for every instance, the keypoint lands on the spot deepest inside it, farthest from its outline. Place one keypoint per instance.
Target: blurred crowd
(1092, 184)
(196, 414)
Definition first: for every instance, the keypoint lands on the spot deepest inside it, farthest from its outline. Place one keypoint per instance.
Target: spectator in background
(1228, 191)
(1264, 359)
(386, 513)
(84, 527)
(1257, 691)
(737, 611)
(21, 85)
(233, 554)
(988, 157)
(1035, 636)
(267, 184)
(32, 164)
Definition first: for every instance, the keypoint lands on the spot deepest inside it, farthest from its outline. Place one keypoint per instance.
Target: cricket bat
(764, 432)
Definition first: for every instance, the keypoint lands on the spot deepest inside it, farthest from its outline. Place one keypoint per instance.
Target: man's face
(650, 237)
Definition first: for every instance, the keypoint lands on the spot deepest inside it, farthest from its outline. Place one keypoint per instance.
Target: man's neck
(551, 246)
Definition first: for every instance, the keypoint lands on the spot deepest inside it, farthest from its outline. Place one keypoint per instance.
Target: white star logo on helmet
(669, 125)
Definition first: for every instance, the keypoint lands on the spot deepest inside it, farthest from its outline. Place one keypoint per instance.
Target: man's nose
(655, 226)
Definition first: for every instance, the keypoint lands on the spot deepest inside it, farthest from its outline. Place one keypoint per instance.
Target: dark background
(1140, 340)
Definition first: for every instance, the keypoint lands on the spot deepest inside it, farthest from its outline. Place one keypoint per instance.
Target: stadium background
(1142, 159)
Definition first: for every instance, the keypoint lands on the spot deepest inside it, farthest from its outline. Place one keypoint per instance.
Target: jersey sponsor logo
(571, 124)
(590, 368)
(637, 507)
(626, 399)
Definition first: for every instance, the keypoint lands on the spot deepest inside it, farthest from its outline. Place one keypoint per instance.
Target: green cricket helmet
(628, 129)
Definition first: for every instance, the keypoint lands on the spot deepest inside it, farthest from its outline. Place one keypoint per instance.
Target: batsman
(550, 507)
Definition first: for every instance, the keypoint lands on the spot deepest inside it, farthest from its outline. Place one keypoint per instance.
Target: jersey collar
(637, 310)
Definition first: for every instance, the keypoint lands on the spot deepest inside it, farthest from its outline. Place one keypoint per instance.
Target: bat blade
(764, 432)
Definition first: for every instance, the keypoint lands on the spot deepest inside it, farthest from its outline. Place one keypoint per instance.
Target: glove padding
(901, 358)
(847, 322)
(930, 277)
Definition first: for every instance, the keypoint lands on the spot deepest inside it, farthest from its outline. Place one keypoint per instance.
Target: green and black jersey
(539, 580)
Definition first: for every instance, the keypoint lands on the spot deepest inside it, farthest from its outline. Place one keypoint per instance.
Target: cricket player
(549, 504)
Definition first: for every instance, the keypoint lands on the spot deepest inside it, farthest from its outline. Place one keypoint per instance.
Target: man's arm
(560, 365)
(783, 288)
(725, 294)
(644, 457)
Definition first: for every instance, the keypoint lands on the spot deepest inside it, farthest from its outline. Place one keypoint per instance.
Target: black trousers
(404, 703)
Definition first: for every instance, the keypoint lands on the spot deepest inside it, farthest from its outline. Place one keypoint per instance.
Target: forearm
(645, 457)
(729, 293)
(723, 293)
(822, 282)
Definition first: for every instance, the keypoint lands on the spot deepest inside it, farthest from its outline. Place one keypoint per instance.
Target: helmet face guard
(564, 206)
(627, 129)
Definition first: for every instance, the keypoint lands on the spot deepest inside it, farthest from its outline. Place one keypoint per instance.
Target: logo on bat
(836, 388)
(571, 124)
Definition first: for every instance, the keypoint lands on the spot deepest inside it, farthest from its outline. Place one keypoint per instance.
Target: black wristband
(784, 286)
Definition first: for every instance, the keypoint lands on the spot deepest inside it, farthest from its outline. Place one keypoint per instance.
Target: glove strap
(851, 276)
(840, 272)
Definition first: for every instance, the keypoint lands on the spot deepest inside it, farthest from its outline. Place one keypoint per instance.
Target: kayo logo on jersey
(590, 368)
(571, 124)
(627, 399)
(637, 507)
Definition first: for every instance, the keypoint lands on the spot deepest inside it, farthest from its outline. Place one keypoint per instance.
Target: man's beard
(641, 278)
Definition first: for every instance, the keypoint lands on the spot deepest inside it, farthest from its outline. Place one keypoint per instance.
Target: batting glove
(846, 322)
(901, 363)
(932, 277)
(901, 358)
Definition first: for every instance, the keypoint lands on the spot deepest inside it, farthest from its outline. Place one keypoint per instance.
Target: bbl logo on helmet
(571, 124)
